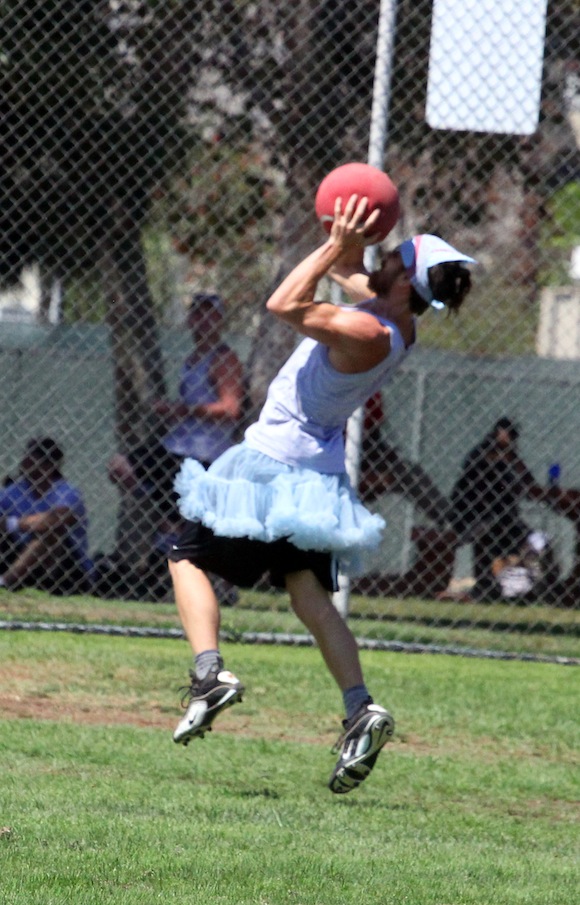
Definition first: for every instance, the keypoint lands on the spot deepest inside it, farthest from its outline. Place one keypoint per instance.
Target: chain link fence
(159, 153)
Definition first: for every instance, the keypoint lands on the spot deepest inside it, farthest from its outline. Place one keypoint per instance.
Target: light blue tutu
(245, 493)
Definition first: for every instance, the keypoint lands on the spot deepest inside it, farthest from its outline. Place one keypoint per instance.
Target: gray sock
(354, 698)
(206, 661)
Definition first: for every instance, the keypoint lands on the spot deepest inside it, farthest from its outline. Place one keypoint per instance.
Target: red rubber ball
(359, 179)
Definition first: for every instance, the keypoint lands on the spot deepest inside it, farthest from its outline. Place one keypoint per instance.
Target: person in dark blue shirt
(43, 525)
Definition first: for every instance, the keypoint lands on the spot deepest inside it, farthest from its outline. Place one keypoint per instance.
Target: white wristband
(12, 524)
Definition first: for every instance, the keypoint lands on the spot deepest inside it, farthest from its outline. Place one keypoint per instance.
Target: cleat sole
(349, 775)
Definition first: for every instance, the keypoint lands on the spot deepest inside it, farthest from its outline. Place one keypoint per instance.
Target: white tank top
(309, 402)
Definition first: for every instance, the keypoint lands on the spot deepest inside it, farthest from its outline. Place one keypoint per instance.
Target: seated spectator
(201, 424)
(529, 573)
(384, 470)
(485, 503)
(509, 560)
(43, 538)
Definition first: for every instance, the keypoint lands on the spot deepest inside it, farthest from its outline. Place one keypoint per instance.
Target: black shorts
(243, 561)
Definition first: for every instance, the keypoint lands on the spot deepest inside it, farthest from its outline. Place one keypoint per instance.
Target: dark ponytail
(450, 283)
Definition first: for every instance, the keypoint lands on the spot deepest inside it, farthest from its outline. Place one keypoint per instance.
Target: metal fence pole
(376, 151)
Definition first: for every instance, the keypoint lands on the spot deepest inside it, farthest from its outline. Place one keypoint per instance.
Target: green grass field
(476, 800)
(535, 630)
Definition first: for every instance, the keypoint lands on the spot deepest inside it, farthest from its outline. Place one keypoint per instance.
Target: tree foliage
(89, 127)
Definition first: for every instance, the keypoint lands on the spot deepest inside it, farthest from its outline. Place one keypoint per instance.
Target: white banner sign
(485, 65)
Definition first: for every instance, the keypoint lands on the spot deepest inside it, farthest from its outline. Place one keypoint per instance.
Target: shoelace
(187, 691)
(347, 726)
(340, 740)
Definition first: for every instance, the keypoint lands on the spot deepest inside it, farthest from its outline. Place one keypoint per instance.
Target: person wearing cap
(201, 424)
(44, 542)
(281, 502)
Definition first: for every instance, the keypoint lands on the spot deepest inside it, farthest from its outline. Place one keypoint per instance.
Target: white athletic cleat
(204, 699)
(359, 746)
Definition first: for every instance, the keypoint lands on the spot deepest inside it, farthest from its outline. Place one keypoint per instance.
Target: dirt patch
(84, 711)
(15, 707)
